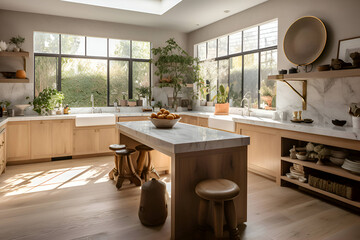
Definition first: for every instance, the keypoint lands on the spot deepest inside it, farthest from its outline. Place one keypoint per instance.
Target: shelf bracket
(304, 91)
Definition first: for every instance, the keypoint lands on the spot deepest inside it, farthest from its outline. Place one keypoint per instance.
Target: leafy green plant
(143, 91)
(158, 104)
(222, 95)
(18, 41)
(132, 100)
(175, 64)
(5, 103)
(47, 100)
(204, 89)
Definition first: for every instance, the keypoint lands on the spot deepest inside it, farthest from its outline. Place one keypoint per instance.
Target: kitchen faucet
(247, 98)
(92, 103)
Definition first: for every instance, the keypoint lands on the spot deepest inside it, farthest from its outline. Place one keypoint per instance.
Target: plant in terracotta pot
(47, 101)
(142, 92)
(177, 66)
(222, 105)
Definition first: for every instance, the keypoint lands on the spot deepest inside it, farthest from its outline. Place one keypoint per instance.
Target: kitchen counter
(331, 131)
(182, 137)
(196, 153)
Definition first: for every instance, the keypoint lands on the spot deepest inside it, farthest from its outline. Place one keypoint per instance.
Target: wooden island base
(188, 169)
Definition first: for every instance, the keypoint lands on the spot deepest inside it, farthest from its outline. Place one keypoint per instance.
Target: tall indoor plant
(176, 66)
(222, 105)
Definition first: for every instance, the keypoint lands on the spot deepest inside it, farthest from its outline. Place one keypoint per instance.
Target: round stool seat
(143, 147)
(217, 189)
(125, 152)
(115, 147)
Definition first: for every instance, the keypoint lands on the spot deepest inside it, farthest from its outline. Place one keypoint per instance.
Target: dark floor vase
(153, 203)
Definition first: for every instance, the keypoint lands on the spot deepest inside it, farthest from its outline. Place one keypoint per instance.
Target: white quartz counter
(181, 138)
(331, 131)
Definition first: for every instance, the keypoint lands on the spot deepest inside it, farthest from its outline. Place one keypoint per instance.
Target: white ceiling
(185, 16)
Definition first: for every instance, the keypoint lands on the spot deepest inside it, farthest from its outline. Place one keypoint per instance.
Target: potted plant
(143, 92)
(205, 90)
(132, 102)
(176, 66)
(222, 105)
(123, 101)
(47, 101)
(17, 41)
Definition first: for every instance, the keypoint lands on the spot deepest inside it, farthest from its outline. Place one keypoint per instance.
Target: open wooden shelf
(334, 196)
(14, 54)
(329, 169)
(14, 80)
(324, 74)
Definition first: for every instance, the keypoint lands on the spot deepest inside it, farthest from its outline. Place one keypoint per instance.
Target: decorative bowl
(337, 161)
(21, 108)
(164, 123)
(339, 123)
(301, 157)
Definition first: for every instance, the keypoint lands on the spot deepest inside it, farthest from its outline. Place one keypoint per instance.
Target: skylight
(158, 7)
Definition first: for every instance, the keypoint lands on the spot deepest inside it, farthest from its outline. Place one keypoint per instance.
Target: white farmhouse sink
(94, 119)
(225, 123)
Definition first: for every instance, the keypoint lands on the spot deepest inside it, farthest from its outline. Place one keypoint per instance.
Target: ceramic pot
(356, 122)
(132, 104)
(222, 109)
(139, 102)
(153, 208)
(123, 103)
(210, 104)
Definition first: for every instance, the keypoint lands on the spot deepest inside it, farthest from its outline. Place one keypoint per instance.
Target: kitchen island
(196, 153)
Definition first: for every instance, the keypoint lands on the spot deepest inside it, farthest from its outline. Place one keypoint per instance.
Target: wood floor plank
(74, 199)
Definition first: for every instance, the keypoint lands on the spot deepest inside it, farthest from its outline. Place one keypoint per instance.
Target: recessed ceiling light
(158, 7)
(226, 11)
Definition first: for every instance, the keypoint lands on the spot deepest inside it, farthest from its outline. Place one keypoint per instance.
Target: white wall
(24, 24)
(328, 98)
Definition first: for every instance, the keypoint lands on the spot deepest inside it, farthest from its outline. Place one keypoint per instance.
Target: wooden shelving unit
(23, 55)
(329, 169)
(324, 74)
(334, 196)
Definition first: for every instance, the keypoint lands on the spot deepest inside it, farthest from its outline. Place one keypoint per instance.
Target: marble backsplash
(327, 99)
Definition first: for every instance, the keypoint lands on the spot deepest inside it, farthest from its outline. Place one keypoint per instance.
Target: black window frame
(108, 58)
(242, 54)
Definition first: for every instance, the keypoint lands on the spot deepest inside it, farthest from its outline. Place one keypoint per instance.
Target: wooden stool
(221, 192)
(126, 168)
(114, 147)
(145, 170)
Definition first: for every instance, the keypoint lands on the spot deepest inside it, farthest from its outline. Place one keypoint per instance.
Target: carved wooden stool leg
(134, 177)
(121, 172)
(203, 210)
(218, 219)
(230, 216)
(140, 162)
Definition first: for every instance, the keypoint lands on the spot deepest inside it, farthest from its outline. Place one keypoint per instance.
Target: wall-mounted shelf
(14, 80)
(324, 74)
(14, 54)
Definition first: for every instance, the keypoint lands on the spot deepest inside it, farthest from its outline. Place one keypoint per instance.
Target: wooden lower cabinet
(40, 139)
(189, 119)
(92, 140)
(18, 141)
(2, 150)
(62, 137)
(264, 149)
(131, 119)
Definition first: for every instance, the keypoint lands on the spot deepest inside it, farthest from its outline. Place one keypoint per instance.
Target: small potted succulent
(123, 101)
(132, 102)
(222, 104)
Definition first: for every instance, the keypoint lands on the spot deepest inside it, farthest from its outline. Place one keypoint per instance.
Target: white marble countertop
(331, 131)
(181, 138)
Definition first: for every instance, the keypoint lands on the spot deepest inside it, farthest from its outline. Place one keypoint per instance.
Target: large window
(243, 61)
(79, 66)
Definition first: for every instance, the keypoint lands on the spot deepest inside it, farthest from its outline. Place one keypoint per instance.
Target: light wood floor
(74, 199)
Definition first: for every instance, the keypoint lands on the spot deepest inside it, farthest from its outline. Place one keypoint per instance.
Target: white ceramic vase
(356, 122)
